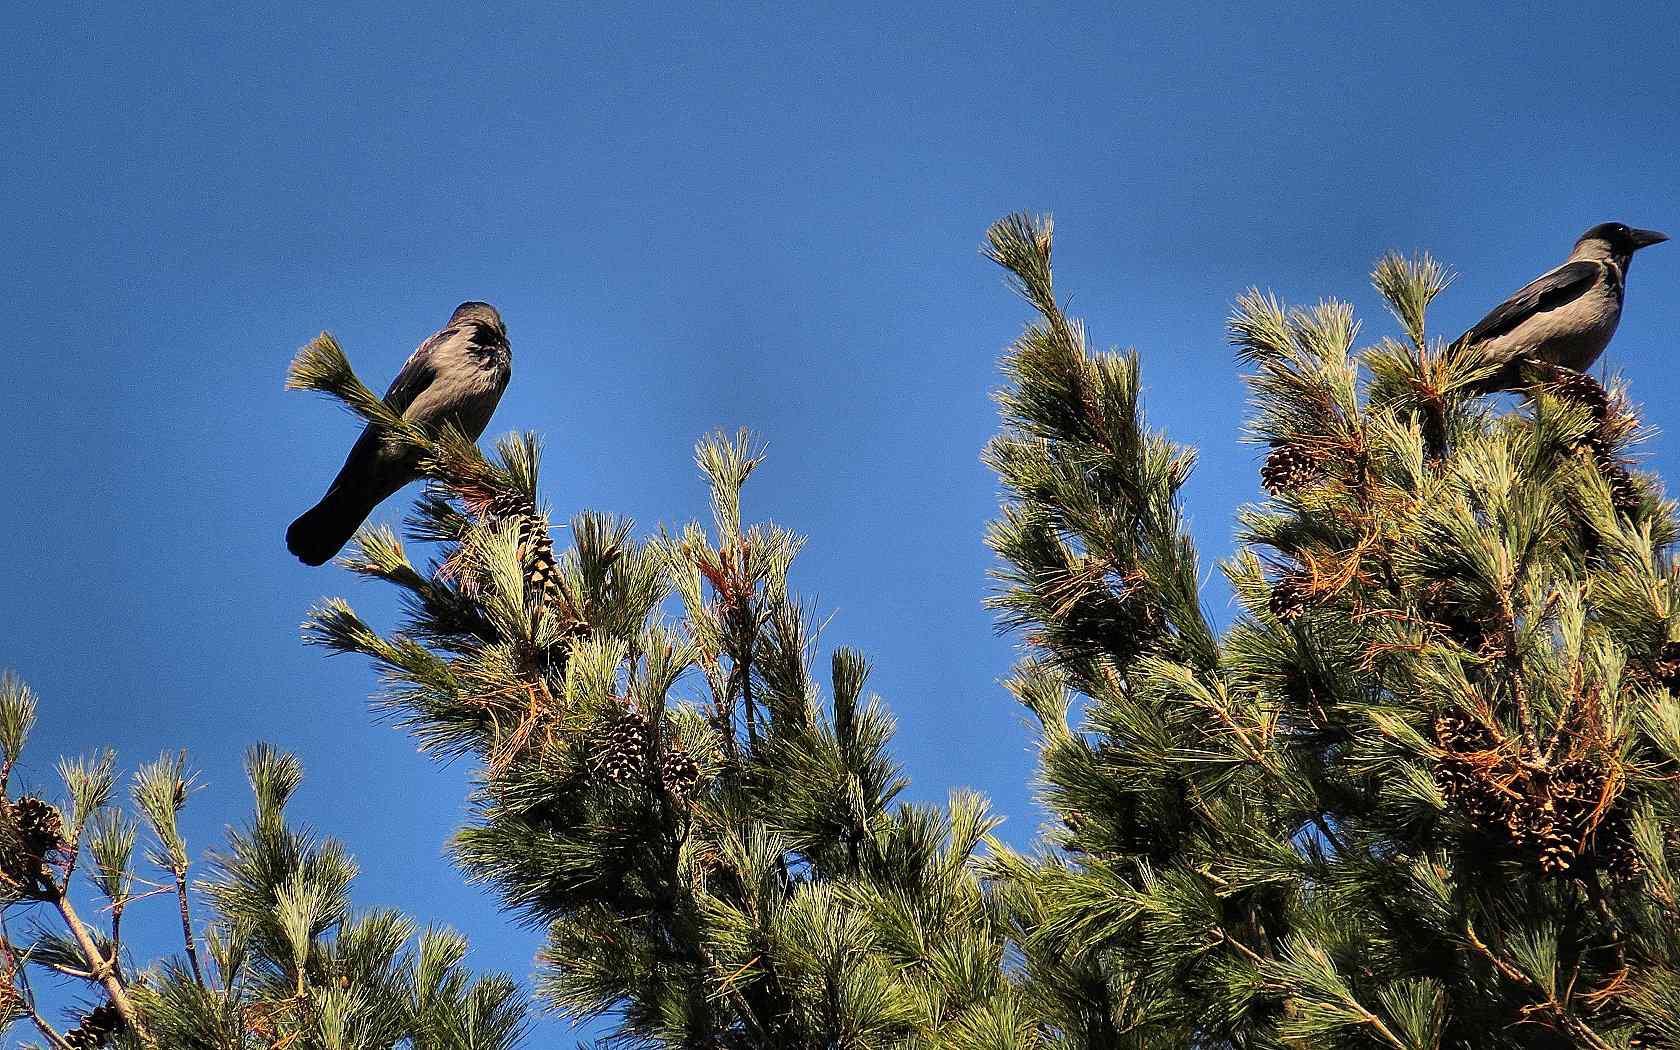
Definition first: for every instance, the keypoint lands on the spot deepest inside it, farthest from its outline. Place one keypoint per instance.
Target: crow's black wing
(418, 371)
(1547, 292)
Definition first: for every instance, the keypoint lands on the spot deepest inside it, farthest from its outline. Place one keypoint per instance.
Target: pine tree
(286, 961)
(1416, 796)
(1421, 793)
(711, 839)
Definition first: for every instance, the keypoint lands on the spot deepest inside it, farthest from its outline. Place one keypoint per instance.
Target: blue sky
(759, 215)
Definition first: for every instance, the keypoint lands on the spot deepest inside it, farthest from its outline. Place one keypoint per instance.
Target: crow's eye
(485, 334)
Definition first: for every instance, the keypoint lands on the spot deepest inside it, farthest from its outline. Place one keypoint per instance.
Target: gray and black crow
(1564, 317)
(457, 376)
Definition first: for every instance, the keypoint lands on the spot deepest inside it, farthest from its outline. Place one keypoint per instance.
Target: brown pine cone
(1290, 597)
(1582, 389)
(536, 546)
(97, 1028)
(622, 748)
(679, 773)
(1668, 665)
(1624, 490)
(37, 826)
(1290, 467)
(1616, 852)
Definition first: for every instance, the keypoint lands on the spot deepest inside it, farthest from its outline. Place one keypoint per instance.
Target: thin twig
(47, 1030)
(19, 973)
(186, 925)
(1242, 949)
(1560, 1013)
(1324, 829)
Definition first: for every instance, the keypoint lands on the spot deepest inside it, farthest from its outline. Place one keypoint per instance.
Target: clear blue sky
(731, 216)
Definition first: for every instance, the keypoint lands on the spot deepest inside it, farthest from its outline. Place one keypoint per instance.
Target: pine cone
(1582, 389)
(1668, 665)
(1466, 784)
(1289, 467)
(1455, 732)
(97, 1028)
(37, 826)
(1290, 597)
(1613, 420)
(679, 773)
(621, 755)
(506, 505)
(536, 546)
(1550, 818)
(1135, 618)
(1556, 855)
(31, 834)
(1624, 490)
(1614, 848)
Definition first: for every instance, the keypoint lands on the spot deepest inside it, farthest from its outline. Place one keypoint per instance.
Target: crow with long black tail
(455, 377)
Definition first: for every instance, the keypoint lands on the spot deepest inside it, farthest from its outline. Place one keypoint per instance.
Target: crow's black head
(483, 320)
(474, 312)
(1622, 239)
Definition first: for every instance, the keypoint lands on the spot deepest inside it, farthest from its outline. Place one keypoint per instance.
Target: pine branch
(322, 366)
(103, 969)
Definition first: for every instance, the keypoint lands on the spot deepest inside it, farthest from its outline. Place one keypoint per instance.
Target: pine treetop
(272, 952)
(1415, 797)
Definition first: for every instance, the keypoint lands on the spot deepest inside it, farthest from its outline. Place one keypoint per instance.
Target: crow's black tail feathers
(369, 477)
(323, 530)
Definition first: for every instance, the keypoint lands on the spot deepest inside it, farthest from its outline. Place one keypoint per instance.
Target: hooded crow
(457, 376)
(1564, 317)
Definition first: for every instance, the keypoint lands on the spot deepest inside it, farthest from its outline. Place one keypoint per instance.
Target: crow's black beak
(1646, 238)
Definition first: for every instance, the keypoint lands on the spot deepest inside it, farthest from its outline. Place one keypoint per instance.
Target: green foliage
(1419, 794)
(1416, 795)
(17, 718)
(710, 838)
(292, 964)
(160, 791)
(295, 964)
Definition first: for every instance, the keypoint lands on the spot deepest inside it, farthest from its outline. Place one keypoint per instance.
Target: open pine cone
(1289, 467)
(622, 748)
(97, 1028)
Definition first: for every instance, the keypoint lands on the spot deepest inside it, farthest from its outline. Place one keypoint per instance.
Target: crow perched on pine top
(457, 376)
(1566, 316)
